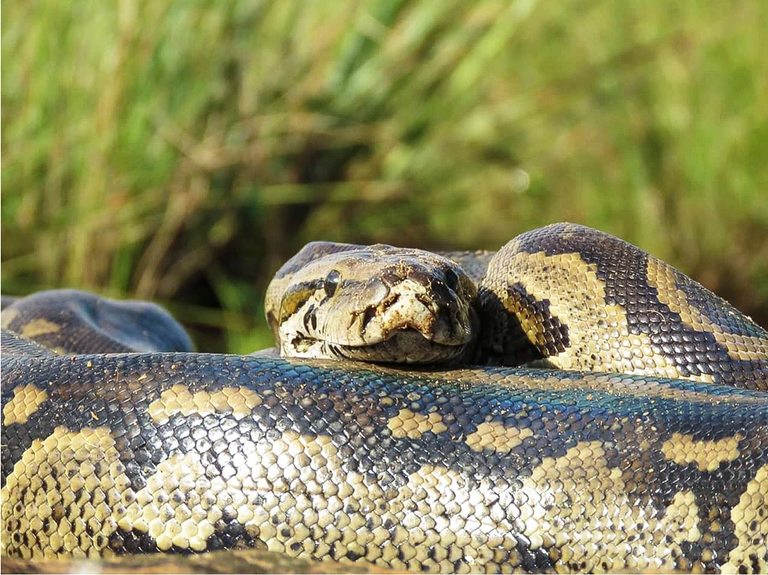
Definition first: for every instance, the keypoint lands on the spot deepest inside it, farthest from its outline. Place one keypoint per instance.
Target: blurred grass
(180, 151)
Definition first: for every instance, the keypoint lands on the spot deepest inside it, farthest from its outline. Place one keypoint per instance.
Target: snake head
(372, 303)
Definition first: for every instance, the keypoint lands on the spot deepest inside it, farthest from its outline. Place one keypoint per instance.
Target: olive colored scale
(492, 469)
(488, 469)
(576, 298)
(564, 296)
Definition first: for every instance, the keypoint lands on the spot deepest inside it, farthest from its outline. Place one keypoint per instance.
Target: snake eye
(451, 279)
(331, 283)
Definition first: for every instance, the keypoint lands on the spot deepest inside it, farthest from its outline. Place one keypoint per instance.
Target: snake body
(454, 469)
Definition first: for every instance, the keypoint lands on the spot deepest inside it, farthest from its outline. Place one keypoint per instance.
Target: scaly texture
(458, 470)
(455, 470)
(575, 298)
(564, 296)
(372, 303)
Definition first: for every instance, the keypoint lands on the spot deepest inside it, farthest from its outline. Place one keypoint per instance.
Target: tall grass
(179, 151)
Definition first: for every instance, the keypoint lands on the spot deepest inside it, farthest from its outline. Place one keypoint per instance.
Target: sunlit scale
(368, 465)
(575, 298)
(452, 470)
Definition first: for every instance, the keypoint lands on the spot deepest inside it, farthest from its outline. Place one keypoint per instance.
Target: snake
(569, 403)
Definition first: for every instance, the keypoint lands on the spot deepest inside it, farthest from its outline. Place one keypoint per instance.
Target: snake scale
(633, 438)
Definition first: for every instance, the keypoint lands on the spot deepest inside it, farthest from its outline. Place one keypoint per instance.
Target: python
(562, 463)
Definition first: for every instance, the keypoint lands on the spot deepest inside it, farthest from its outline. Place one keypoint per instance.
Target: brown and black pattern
(482, 469)
(640, 315)
(488, 469)
(225, 561)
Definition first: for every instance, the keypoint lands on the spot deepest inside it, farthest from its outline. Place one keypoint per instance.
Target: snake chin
(401, 346)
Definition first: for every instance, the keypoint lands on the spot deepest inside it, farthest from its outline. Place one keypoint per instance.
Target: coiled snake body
(656, 460)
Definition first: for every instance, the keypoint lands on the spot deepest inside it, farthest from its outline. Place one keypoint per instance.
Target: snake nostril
(368, 315)
(443, 294)
(389, 302)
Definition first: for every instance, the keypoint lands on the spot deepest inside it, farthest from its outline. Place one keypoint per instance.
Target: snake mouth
(400, 320)
(430, 311)
(403, 346)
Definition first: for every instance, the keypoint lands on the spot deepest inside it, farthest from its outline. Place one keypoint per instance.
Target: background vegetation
(180, 151)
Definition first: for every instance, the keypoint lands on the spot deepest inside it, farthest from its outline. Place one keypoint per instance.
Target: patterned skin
(563, 296)
(488, 469)
(372, 303)
(630, 312)
(72, 321)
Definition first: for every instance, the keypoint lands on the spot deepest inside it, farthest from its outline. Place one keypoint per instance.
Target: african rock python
(664, 467)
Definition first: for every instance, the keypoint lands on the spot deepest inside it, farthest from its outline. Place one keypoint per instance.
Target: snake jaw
(409, 325)
(403, 346)
(406, 314)
(386, 304)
